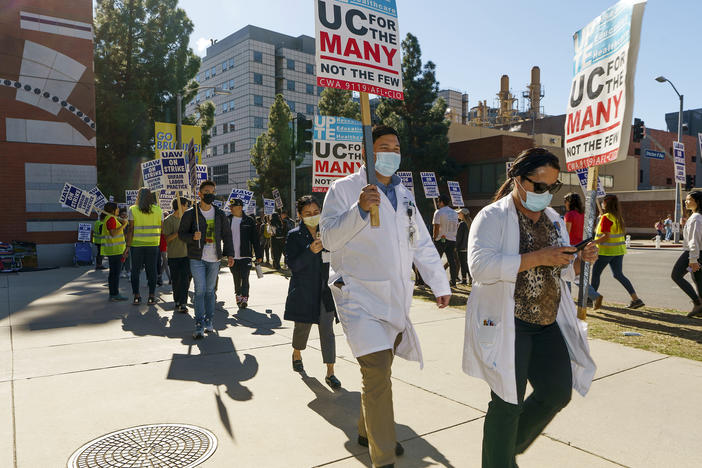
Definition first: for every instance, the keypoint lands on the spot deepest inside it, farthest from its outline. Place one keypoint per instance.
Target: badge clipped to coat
(412, 230)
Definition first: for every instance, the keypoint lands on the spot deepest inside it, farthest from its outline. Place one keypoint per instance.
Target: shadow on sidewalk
(341, 410)
(681, 326)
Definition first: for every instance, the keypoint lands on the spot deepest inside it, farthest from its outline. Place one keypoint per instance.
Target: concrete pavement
(75, 367)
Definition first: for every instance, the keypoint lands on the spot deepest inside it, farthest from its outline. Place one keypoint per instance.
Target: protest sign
(358, 46)
(152, 173)
(268, 206)
(165, 138)
(175, 170)
(337, 150)
(100, 199)
(123, 205)
(679, 158)
(165, 199)
(77, 199)
(431, 186)
(251, 207)
(201, 176)
(407, 180)
(84, 230)
(455, 191)
(243, 195)
(601, 101)
(278, 200)
(130, 196)
(582, 178)
(218, 203)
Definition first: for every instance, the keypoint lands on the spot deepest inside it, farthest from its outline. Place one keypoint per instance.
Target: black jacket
(248, 237)
(223, 233)
(462, 236)
(308, 284)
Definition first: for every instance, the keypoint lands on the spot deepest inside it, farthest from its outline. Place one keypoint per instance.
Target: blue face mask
(387, 163)
(535, 201)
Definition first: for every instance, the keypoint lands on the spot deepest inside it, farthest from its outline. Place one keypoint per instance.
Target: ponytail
(527, 162)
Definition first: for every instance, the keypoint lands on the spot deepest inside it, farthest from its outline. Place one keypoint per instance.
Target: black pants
(98, 257)
(678, 275)
(278, 244)
(541, 356)
(449, 248)
(113, 277)
(148, 258)
(240, 272)
(180, 278)
(463, 261)
(267, 249)
(616, 263)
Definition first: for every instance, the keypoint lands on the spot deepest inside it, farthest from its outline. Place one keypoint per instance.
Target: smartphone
(581, 245)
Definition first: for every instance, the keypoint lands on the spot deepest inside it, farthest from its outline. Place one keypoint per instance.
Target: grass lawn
(663, 331)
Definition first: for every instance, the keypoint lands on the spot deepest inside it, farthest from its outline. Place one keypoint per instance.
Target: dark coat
(223, 233)
(462, 236)
(308, 284)
(249, 242)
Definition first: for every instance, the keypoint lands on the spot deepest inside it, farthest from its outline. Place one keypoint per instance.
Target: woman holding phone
(689, 259)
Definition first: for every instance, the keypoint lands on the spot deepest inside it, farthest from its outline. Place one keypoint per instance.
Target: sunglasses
(540, 187)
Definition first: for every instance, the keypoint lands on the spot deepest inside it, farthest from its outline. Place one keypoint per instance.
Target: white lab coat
(376, 265)
(494, 260)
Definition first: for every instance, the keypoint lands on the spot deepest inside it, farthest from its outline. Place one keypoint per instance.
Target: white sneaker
(209, 328)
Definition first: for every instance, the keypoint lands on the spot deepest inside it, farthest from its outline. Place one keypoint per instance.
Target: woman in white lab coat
(521, 323)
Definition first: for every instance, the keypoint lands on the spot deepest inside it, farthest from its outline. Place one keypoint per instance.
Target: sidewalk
(76, 367)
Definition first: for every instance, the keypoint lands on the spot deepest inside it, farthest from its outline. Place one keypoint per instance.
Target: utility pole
(293, 155)
(179, 121)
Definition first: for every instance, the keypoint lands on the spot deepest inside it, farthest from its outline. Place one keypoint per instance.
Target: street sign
(431, 186)
(455, 191)
(358, 46)
(337, 150)
(407, 180)
(84, 230)
(77, 199)
(653, 154)
(601, 103)
(679, 157)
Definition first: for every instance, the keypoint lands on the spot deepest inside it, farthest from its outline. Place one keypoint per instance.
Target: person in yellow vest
(610, 240)
(113, 247)
(144, 235)
(97, 240)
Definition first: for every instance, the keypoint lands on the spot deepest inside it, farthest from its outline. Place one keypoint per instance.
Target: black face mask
(208, 198)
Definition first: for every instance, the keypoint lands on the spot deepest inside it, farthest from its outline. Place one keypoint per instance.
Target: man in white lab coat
(371, 282)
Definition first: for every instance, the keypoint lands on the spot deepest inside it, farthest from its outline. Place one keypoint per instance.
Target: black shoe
(333, 382)
(464, 283)
(399, 449)
(297, 365)
(696, 311)
(453, 284)
(159, 282)
(637, 304)
(391, 465)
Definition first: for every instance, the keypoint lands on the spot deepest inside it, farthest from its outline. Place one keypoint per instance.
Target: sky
(474, 42)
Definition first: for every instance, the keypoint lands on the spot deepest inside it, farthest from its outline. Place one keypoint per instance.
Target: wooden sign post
(370, 155)
(589, 229)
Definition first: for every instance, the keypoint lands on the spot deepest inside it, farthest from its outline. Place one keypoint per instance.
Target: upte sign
(337, 150)
(358, 46)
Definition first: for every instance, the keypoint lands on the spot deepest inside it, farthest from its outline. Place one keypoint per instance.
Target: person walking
(163, 261)
(266, 239)
(246, 243)
(113, 247)
(668, 225)
(97, 241)
(610, 240)
(177, 250)
(689, 259)
(521, 324)
(126, 258)
(309, 298)
(575, 224)
(371, 282)
(659, 229)
(142, 240)
(205, 252)
(462, 244)
(278, 239)
(445, 229)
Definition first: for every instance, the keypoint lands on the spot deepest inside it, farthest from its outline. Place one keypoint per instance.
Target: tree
(204, 117)
(420, 118)
(271, 153)
(338, 102)
(142, 60)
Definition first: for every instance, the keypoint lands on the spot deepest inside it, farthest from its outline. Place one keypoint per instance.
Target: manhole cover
(153, 446)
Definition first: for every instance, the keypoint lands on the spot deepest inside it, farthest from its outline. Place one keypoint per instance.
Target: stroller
(83, 254)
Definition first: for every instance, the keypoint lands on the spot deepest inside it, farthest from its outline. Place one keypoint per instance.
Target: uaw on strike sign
(598, 120)
(337, 150)
(358, 46)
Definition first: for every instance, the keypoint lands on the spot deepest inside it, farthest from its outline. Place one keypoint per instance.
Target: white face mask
(387, 163)
(312, 221)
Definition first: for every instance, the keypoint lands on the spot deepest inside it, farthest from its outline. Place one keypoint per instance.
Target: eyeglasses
(540, 187)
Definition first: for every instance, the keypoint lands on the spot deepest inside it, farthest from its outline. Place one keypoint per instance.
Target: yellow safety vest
(112, 245)
(616, 244)
(147, 227)
(97, 232)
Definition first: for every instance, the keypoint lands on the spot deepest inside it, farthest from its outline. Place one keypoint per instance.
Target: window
(291, 64)
(224, 85)
(637, 151)
(310, 89)
(213, 72)
(197, 98)
(310, 109)
(485, 178)
(225, 148)
(231, 105)
(669, 181)
(207, 74)
(232, 127)
(225, 107)
(258, 56)
(607, 181)
(214, 130)
(208, 152)
(258, 78)
(258, 100)
(291, 105)
(258, 122)
(231, 63)
(309, 69)
(641, 176)
(291, 85)
(214, 150)
(231, 84)
(231, 147)
(224, 66)
(220, 170)
(225, 128)
(220, 174)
